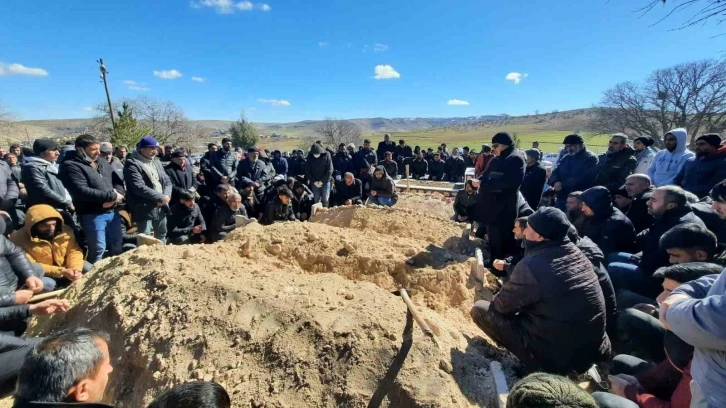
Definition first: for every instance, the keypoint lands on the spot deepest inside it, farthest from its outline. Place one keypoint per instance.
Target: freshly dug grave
(268, 315)
(431, 203)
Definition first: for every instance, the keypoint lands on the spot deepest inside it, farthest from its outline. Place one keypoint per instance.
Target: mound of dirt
(434, 204)
(295, 315)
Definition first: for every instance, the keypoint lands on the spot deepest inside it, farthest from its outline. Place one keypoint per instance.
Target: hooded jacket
(576, 172)
(318, 169)
(666, 164)
(700, 174)
(644, 159)
(9, 190)
(609, 228)
(614, 168)
(90, 187)
(303, 203)
(554, 293)
(499, 188)
(384, 187)
(142, 198)
(342, 163)
(63, 252)
(280, 165)
(535, 177)
(43, 184)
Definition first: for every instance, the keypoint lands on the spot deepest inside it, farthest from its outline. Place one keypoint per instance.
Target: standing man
(224, 164)
(616, 164)
(498, 196)
(403, 155)
(701, 173)
(668, 162)
(205, 164)
(318, 172)
(365, 155)
(341, 162)
(41, 179)
(149, 189)
(535, 177)
(181, 175)
(256, 170)
(97, 191)
(116, 164)
(482, 162)
(9, 194)
(576, 172)
(385, 146)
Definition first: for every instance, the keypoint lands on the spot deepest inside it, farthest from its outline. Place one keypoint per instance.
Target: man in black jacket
(224, 164)
(454, 167)
(10, 193)
(69, 367)
(403, 154)
(302, 200)
(348, 191)
(205, 164)
(280, 209)
(577, 171)
(386, 145)
(186, 224)
(148, 189)
(639, 189)
(535, 177)
(365, 155)
(341, 162)
(465, 203)
(97, 191)
(42, 181)
(419, 167)
(318, 173)
(252, 205)
(19, 280)
(390, 165)
(218, 199)
(498, 196)
(181, 175)
(616, 164)
(297, 164)
(437, 167)
(551, 312)
(607, 226)
(256, 170)
(669, 206)
(223, 221)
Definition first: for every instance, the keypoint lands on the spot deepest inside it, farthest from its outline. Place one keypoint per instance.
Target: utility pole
(108, 95)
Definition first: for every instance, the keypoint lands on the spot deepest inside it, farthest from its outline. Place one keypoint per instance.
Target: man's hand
(21, 185)
(50, 306)
(348, 202)
(557, 186)
(119, 197)
(109, 204)
(203, 238)
(5, 214)
(34, 284)
(166, 200)
(71, 274)
(373, 193)
(22, 296)
(670, 301)
(647, 309)
(224, 180)
(197, 230)
(318, 184)
(499, 264)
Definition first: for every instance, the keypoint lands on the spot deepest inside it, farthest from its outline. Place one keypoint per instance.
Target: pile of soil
(296, 315)
(434, 204)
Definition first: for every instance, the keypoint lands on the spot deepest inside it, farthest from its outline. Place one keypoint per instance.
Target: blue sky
(286, 60)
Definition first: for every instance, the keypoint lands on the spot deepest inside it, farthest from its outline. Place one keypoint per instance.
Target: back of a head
(58, 363)
(540, 390)
(690, 236)
(193, 395)
(686, 272)
(675, 195)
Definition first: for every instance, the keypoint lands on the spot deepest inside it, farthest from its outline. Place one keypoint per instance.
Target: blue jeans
(387, 201)
(102, 231)
(322, 194)
(625, 275)
(159, 226)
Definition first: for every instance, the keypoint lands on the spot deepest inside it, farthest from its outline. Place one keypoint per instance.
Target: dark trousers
(641, 334)
(626, 275)
(505, 331)
(186, 239)
(627, 299)
(501, 240)
(12, 355)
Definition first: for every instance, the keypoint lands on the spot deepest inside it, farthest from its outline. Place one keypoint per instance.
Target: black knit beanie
(540, 390)
(573, 139)
(503, 138)
(645, 140)
(550, 223)
(711, 138)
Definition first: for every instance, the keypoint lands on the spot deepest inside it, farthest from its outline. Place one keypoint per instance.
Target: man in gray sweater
(696, 312)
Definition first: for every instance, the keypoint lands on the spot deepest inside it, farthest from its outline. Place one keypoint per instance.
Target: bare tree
(690, 95)
(332, 132)
(701, 10)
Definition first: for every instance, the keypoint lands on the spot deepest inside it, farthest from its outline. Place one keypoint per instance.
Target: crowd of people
(608, 260)
(625, 248)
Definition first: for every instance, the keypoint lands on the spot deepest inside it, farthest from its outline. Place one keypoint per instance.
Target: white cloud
(135, 86)
(457, 102)
(380, 47)
(323, 44)
(88, 109)
(275, 102)
(170, 74)
(20, 69)
(199, 79)
(516, 77)
(230, 6)
(386, 72)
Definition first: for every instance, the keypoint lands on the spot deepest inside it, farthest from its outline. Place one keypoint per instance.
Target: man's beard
(45, 236)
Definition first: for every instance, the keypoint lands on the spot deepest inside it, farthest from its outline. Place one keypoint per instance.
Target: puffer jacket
(44, 185)
(465, 204)
(224, 164)
(553, 293)
(700, 174)
(576, 172)
(648, 241)
(63, 252)
(609, 228)
(597, 259)
(14, 270)
(614, 168)
(384, 187)
(499, 188)
(9, 191)
(644, 160)
(142, 198)
(666, 164)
